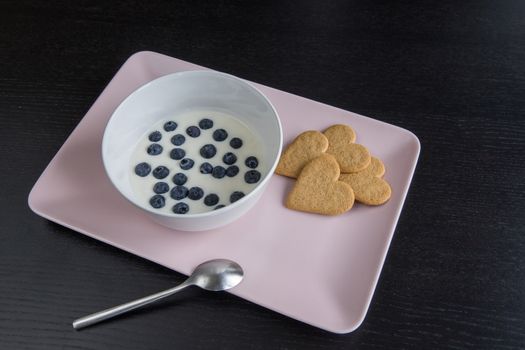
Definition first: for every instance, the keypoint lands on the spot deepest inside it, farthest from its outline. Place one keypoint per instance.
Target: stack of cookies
(332, 172)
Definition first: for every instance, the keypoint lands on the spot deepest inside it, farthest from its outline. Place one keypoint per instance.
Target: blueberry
(177, 153)
(218, 172)
(219, 206)
(154, 149)
(178, 139)
(155, 136)
(186, 164)
(179, 179)
(142, 169)
(208, 151)
(179, 192)
(206, 168)
(161, 187)
(157, 201)
(211, 200)
(170, 126)
(252, 176)
(193, 131)
(160, 172)
(220, 135)
(236, 143)
(181, 208)
(232, 171)
(235, 196)
(206, 124)
(195, 193)
(251, 162)
(229, 158)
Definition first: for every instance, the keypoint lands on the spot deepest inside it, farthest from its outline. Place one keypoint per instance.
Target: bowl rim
(260, 186)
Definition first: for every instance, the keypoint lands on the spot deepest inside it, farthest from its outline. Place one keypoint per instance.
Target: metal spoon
(214, 275)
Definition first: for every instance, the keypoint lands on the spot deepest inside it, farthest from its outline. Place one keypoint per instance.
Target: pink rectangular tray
(323, 270)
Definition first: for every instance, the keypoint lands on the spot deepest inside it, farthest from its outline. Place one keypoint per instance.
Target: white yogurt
(143, 186)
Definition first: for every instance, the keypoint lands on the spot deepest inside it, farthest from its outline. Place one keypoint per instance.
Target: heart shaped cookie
(352, 157)
(307, 146)
(317, 189)
(368, 186)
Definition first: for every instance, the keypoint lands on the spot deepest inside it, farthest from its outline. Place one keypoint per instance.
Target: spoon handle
(118, 310)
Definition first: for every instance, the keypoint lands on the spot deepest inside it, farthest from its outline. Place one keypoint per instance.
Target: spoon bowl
(217, 275)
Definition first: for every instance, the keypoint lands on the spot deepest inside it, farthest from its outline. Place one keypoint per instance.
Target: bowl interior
(179, 93)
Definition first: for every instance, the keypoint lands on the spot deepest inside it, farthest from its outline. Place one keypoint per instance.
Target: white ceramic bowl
(170, 95)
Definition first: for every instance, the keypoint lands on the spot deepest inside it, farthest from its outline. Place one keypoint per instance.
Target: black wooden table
(453, 72)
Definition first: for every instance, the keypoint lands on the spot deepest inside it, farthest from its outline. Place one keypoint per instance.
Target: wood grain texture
(452, 72)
